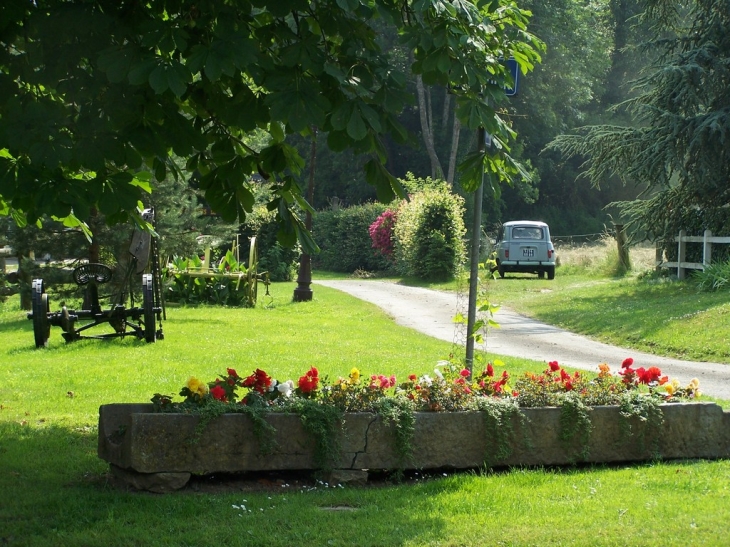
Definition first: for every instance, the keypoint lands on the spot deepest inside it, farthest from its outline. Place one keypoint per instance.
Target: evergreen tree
(678, 149)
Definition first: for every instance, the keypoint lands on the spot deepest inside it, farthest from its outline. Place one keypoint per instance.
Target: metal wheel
(40, 307)
(148, 303)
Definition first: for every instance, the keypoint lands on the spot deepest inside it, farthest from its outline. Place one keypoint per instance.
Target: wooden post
(707, 249)
(659, 255)
(681, 253)
(623, 251)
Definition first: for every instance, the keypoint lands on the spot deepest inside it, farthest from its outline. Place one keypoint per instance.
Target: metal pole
(474, 261)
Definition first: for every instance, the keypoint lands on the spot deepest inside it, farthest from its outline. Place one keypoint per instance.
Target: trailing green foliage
(643, 419)
(575, 424)
(429, 234)
(344, 240)
(399, 414)
(500, 416)
(323, 423)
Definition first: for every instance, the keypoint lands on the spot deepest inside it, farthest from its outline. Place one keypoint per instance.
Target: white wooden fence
(681, 265)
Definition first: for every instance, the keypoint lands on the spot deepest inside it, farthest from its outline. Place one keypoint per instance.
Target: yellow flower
(196, 386)
(355, 375)
(605, 369)
(670, 388)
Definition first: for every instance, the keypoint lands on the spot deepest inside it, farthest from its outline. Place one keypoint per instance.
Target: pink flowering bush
(381, 233)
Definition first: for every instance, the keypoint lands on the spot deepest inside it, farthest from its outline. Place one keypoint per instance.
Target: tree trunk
(436, 169)
(455, 132)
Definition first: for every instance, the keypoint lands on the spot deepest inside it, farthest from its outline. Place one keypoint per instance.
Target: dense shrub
(344, 239)
(429, 234)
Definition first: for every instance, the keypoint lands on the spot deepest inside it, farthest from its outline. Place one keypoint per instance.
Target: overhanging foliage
(99, 96)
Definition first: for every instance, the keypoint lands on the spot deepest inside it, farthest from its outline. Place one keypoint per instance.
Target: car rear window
(527, 232)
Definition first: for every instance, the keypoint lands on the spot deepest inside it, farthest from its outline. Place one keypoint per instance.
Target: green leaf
(140, 72)
(356, 128)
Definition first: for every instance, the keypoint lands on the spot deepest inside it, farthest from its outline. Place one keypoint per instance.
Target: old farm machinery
(125, 316)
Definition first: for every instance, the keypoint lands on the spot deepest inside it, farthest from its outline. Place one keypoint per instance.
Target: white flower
(273, 385)
(426, 380)
(286, 388)
(438, 374)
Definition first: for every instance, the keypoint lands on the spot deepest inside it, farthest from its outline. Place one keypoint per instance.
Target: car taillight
(550, 253)
(506, 253)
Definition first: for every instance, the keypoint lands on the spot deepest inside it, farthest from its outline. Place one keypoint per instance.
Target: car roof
(525, 223)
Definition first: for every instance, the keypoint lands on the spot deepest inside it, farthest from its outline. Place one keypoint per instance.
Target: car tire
(500, 271)
(551, 272)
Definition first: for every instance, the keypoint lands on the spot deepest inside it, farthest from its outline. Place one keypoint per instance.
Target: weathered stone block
(135, 439)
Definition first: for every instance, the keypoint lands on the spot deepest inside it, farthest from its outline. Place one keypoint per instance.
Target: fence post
(681, 253)
(623, 252)
(707, 249)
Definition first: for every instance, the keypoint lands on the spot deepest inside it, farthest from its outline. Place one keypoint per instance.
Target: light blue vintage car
(524, 246)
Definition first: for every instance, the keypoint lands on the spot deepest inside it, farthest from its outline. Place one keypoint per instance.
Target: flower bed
(449, 421)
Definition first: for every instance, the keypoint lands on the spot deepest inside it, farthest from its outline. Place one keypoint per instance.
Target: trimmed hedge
(344, 240)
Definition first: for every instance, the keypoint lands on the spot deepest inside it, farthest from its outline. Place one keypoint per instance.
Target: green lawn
(55, 491)
(666, 318)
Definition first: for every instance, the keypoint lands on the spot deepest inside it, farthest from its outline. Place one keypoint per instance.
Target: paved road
(432, 312)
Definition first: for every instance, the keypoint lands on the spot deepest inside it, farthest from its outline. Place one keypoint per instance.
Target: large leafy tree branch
(97, 97)
(678, 147)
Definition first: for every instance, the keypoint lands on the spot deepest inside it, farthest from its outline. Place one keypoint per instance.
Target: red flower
(218, 392)
(564, 375)
(232, 372)
(310, 381)
(412, 377)
(465, 373)
(648, 376)
(627, 362)
(554, 366)
(490, 369)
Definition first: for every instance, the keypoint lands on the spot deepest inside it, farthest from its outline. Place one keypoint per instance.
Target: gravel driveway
(432, 312)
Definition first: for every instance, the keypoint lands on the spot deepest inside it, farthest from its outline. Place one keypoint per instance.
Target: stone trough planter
(159, 452)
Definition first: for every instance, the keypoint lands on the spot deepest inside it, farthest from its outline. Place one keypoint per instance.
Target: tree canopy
(678, 148)
(99, 97)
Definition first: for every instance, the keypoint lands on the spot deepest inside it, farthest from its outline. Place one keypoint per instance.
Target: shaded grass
(55, 489)
(661, 317)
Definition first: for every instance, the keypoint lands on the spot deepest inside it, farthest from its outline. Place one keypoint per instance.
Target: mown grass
(55, 491)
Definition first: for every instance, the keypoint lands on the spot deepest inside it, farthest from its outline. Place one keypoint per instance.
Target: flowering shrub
(451, 388)
(381, 232)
